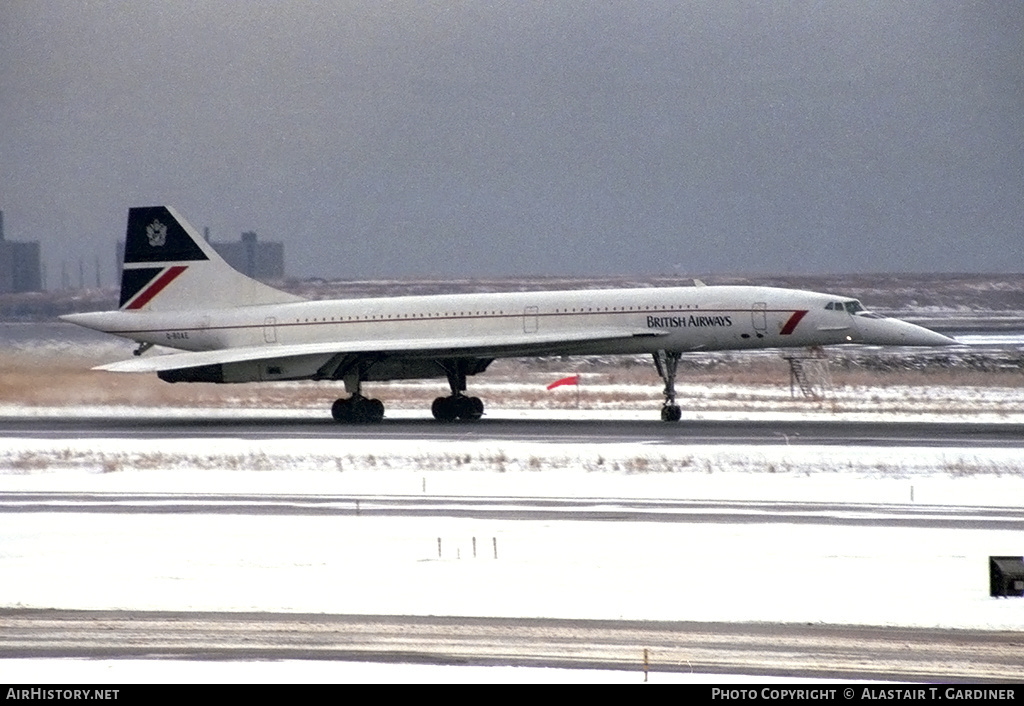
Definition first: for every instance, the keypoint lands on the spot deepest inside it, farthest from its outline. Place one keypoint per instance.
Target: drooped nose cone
(893, 332)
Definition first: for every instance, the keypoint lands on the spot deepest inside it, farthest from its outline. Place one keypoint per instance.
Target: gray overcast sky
(412, 138)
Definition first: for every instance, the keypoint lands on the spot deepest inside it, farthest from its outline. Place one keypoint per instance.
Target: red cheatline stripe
(571, 380)
(157, 286)
(793, 321)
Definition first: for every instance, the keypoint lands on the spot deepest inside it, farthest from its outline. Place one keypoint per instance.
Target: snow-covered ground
(565, 568)
(808, 573)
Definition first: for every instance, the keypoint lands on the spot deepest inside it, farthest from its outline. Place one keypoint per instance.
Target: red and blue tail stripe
(140, 285)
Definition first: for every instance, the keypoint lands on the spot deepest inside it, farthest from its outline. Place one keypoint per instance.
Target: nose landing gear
(666, 362)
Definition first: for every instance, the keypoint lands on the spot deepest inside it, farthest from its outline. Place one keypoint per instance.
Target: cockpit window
(851, 307)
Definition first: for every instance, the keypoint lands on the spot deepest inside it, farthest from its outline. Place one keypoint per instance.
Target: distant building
(20, 270)
(253, 258)
(249, 256)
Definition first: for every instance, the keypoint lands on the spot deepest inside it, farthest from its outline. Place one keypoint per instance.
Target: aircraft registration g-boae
(176, 291)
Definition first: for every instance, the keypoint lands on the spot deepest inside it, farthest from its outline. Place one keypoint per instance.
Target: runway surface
(836, 652)
(520, 508)
(831, 433)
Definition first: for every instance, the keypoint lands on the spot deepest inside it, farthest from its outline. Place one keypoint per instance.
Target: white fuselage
(680, 319)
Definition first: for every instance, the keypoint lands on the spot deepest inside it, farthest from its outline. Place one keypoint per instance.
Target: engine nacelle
(291, 368)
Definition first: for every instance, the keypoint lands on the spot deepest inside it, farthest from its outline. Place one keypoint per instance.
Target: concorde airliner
(177, 292)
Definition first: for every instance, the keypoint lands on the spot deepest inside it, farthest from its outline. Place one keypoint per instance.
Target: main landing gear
(358, 409)
(448, 409)
(457, 405)
(666, 362)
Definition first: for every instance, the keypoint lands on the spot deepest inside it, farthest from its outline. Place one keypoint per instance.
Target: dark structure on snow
(1006, 576)
(20, 270)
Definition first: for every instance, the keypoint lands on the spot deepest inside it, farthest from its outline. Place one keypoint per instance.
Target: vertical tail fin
(169, 267)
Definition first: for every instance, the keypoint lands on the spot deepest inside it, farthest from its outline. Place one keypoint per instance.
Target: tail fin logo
(155, 235)
(156, 232)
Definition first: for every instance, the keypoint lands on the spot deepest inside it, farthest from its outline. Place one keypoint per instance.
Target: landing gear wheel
(470, 408)
(448, 409)
(368, 411)
(443, 409)
(340, 410)
(457, 405)
(376, 410)
(358, 410)
(671, 413)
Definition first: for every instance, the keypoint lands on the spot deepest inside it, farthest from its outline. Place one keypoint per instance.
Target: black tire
(358, 410)
(671, 413)
(473, 408)
(443, 409)
(366, 411)
(374, 411)
(341, 410)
